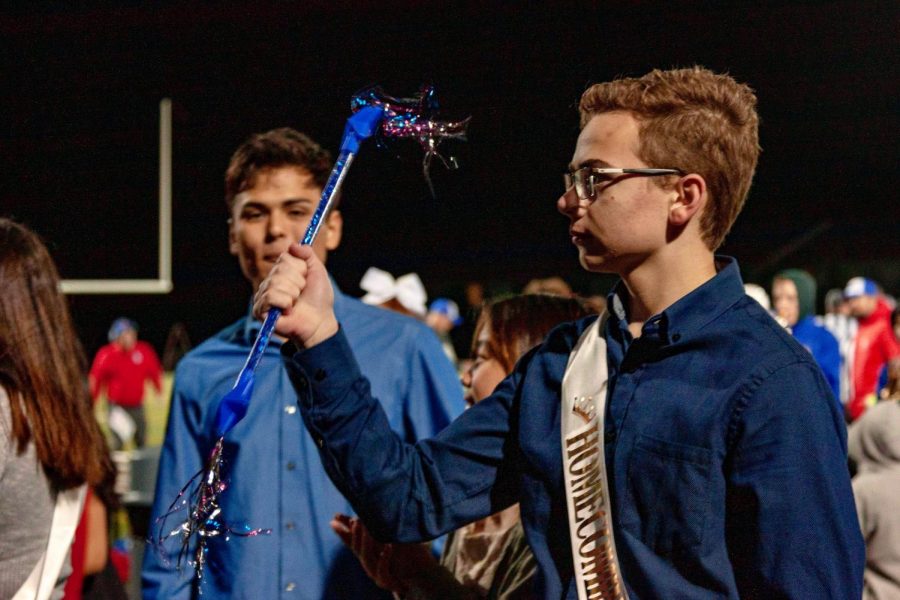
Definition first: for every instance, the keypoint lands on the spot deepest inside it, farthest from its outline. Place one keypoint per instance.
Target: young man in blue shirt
(725, 453)
(273, 185)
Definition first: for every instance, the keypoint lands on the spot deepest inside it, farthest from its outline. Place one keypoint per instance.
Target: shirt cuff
(323, 373)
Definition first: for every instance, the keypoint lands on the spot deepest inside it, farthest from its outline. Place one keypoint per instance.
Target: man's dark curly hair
(282, 147)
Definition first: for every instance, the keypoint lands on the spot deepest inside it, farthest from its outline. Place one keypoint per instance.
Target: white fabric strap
(597, 571)
(66, 514)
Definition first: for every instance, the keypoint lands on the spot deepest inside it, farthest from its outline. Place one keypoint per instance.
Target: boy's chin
(595, 263)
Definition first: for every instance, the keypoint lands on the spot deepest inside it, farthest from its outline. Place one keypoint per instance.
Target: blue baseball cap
(860, 286)
(120, 326)
(448, 308)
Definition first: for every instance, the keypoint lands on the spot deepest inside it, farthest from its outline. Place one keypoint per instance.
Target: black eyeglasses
(588, 179)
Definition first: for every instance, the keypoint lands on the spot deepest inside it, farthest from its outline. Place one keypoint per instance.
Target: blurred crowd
(856, 341)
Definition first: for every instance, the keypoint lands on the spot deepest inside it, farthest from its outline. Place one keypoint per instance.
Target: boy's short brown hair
(283, 147)
(696, 121)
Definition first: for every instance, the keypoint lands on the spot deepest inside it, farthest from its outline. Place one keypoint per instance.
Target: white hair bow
(380, 286)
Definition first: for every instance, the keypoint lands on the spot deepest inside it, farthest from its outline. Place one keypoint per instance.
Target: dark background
(82, 84)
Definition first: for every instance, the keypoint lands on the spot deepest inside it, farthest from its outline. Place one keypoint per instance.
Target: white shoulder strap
(597, 571)
(66, 514)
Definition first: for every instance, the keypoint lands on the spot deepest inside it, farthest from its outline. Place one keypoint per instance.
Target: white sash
(66, 514)
(597, 572)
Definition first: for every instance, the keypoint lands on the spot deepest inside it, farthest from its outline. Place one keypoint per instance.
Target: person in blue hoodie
(794, 300)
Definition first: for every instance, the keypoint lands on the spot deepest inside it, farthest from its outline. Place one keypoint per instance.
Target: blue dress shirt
(726, 454)
(275, 477)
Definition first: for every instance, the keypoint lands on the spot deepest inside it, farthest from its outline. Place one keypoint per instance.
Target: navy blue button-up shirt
(275, 477)
(726, 454)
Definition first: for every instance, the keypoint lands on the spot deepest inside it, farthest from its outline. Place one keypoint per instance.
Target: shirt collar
(690, 313)
(253, 325)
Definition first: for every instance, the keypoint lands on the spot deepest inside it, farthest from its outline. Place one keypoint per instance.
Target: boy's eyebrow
(290, 201)
(591, 162)
(251, 203)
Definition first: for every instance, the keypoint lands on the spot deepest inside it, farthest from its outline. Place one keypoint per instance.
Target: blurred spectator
(443, 316)
(461, 335)
(177, 345)
(489, 558)
(895, 322)
(554, 286)
(843, 327)
(758, 293)
(405, 295)
(121, 368)
(94, 574)
(874, 445)
(794, 297)
(891, 391)
(474, 295)
(874, 346)
(51, 448)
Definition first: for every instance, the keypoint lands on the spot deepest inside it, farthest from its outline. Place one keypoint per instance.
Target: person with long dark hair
(50, 444)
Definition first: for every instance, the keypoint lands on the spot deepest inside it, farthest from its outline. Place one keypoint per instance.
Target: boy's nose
(571, 205)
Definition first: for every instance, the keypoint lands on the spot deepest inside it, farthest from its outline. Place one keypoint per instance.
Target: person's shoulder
(765, 361)
(361, 316)
(104, 351)
(212, 348)
(758, 337)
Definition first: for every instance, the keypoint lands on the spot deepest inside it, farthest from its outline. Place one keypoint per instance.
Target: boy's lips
(273, 256)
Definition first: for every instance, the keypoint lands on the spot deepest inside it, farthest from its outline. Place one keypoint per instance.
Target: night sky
(80, 128)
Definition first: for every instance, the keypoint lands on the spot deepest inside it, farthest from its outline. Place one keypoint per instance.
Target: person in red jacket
(875, 343)
(122, 367)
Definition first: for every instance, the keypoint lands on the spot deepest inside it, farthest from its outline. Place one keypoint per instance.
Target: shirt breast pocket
(668, 484)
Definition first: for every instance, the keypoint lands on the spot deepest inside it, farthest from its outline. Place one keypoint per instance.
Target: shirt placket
(289, 503)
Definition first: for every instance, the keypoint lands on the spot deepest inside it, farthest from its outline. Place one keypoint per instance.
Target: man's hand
(298, 285)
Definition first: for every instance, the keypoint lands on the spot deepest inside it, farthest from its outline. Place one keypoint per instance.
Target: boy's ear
(691, 199)
(233, 245)
(333, 229)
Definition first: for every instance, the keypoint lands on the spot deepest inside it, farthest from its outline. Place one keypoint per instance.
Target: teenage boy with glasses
(725, 454)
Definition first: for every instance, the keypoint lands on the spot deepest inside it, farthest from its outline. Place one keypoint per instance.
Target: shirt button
(290, 409)
(609, 435)
(290, 586)
(320, 374)
(291, 466)
(676, 337)
(289, 525)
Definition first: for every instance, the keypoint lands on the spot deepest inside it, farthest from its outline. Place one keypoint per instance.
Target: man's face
(627, 220)
(862, 306)
(786, 301)
(127, 339)
(268, 217)
(438, 321)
